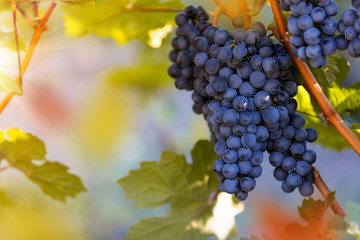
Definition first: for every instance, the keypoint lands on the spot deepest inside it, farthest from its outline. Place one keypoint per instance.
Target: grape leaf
(8, 85)
(20, 149)
(186, 187)
(53, 179)
(7, 39)
(346, 101)
(313, 210)
(326, 75)
(174, 226)
(170, 179)
(336, 223)
(327, 134)
(113, 18)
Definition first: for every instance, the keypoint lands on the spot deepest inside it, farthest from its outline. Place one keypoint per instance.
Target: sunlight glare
(158, 34)
(223, 220)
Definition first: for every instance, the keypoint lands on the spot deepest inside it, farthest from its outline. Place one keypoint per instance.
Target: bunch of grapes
(349, 27)
(244, 85)
(312, 29)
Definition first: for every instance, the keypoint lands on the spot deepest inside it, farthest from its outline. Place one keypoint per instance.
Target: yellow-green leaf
(172, 180)
(7, 40)
(53, 179)
(20, 149)
(8, 85)
(115, 19)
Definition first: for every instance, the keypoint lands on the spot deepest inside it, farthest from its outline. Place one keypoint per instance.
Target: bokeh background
(101, 109)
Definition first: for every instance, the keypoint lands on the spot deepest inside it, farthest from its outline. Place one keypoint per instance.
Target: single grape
(239, 130)
(306, 189)
(309, 156)
(221, 36)
(257, 79)
(244, 154)
(288, 163)
(247, 184)
(231, 117)
(248, 140)
(255, 172)
(231, 186)
(280, 174)
(302, 168)
(235, 81)
(297, 149)
(238, 21)
(293, 180)
(212, 66)
(286, 188)
(230, 171)
(262, 133)
(244, 167)
(241, 195)
(271, 115)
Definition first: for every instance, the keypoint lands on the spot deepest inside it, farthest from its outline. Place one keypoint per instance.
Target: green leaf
(327, 134)
(8, 85)
(171, 227)
(7, 40)
(53, 178)
(337, 223)
(346, 101)
(20, 149)
(312, 210)
(326, 75)
(171, 180)
(113, 18)
(329, 199)
(144, 76)
(186, 187)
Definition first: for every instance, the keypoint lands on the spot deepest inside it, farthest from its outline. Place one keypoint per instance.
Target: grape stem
(13, 10)
(318, 95)
(324, 190)
(40, 27)
(216, 15)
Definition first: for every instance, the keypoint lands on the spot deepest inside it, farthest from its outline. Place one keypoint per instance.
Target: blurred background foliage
(97, 92)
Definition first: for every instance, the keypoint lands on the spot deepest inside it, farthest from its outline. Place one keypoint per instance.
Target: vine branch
(315, 91)
(40, 27)
(13, 9)
(312, 86)
(324, 190)
(216, 15)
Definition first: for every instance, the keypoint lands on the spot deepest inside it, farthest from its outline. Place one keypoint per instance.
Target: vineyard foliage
(188, 186)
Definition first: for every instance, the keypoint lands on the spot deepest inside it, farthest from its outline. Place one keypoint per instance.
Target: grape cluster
(244, 85)
(312, 29)
(349, 28)
(192, 24)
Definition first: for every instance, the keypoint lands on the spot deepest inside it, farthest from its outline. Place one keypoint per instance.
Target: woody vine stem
(281, 33)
